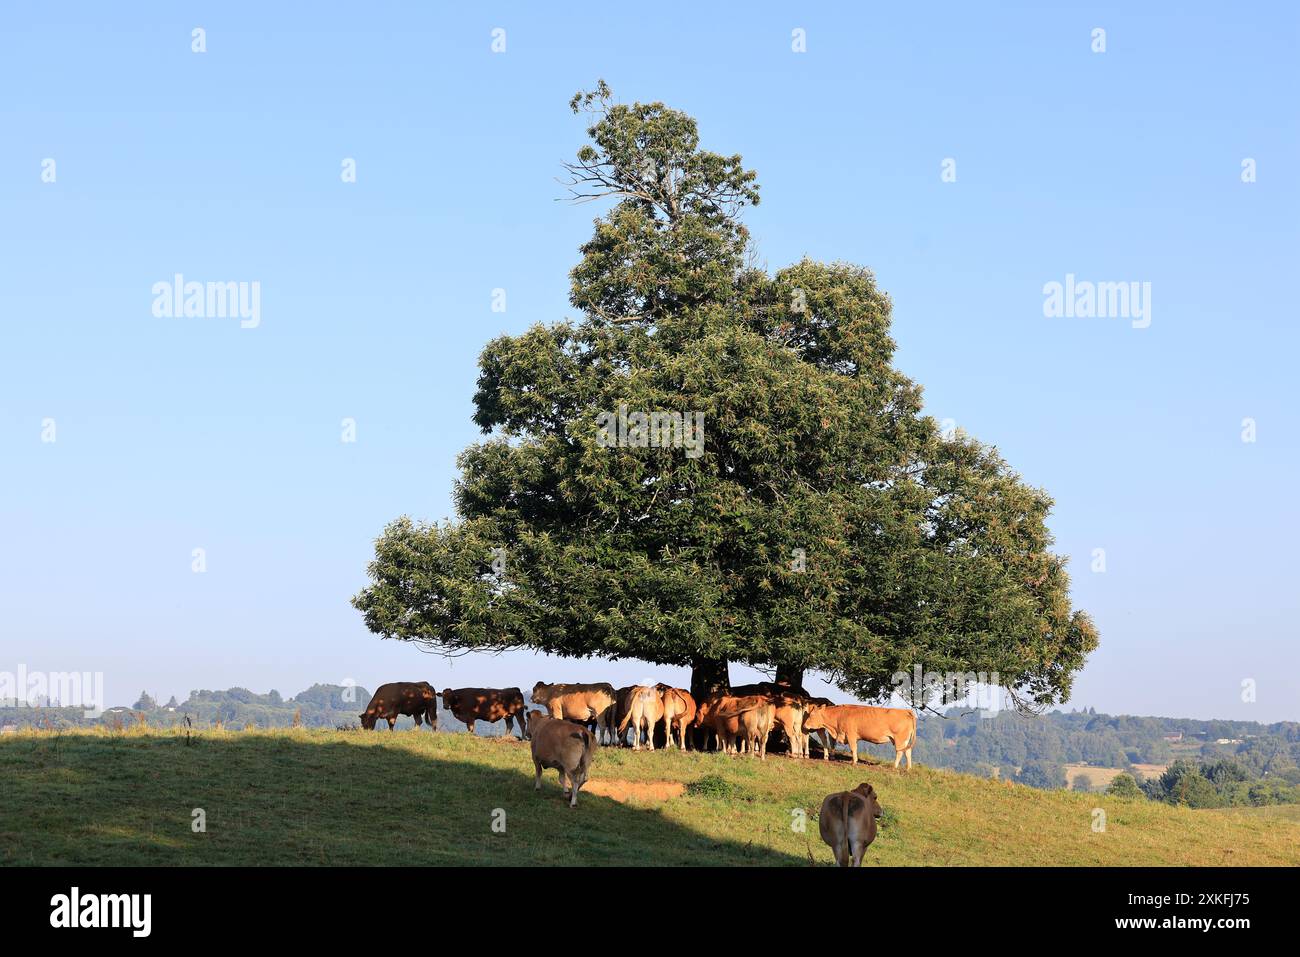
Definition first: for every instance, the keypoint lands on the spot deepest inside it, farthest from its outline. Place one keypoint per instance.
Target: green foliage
(1124, 786)
(1041, 774)
(717, 787)
(918, 547)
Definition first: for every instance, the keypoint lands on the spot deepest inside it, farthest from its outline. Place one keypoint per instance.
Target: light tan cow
(851, 723)
(645, 710)
(679, 712)
(847, 822)
(562, 745)
(755, 726)
(789, 717)
(581, 703)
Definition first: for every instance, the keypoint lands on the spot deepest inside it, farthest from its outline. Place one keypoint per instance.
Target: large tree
(824, 523)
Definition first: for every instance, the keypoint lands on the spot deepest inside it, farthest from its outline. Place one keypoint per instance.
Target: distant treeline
(1210, 763)
(320, 706)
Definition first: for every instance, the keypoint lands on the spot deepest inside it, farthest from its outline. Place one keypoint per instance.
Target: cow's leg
(898, 756)
(470, 724)
(537, 786)
(392, 724)
(826, 751)
(510, 726)
(650, 734)
(909, 758)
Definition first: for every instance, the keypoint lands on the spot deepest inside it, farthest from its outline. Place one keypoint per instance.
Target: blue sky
(175, 434)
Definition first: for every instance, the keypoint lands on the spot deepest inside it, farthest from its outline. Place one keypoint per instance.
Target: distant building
(1227, 741)
(1175, 737)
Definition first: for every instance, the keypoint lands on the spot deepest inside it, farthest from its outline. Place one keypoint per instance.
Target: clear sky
(173, 434)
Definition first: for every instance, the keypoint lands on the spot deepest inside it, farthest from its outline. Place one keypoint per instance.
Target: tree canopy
(822, 522)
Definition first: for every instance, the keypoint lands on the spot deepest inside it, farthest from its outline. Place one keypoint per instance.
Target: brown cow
(416, 698)
(622, 705)
(562, 745)
(679, 712)
(851, 723)
(581, 703)
(729, 718)
(847, 822)
(487, 704)
(645, 709)
(724, 728)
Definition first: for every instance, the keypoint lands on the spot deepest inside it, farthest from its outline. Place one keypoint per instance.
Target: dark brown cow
(487, 704)
(416, 698)
(562, 745)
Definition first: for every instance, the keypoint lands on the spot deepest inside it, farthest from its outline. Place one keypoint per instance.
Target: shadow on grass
(285, 799)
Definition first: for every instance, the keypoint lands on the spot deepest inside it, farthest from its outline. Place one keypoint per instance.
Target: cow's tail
(846, 799)
(911, 738)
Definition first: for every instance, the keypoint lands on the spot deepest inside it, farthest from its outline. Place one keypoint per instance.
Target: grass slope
(377, 798)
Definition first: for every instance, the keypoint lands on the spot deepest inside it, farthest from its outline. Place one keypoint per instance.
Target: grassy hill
(308, 796)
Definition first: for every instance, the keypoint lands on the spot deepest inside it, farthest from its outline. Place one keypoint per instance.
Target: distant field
(1101, 777)
(374, 798)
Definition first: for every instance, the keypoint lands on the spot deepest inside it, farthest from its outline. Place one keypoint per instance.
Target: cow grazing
(581, 703)
(847, 823)
(487, 704)
(645, 709)
(564, 746)
(416, 698)
(851, 723)
(679, 712)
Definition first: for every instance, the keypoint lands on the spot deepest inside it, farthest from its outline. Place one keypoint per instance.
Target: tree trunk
(709, 677)
(786, 675)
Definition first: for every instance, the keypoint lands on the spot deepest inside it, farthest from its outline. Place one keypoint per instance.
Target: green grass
(377, 798)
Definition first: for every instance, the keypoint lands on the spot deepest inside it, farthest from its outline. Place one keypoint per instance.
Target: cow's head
(534, 718)
(368, 721)
(540, 693)
(868, 794)
(814, 718)
(448, 698)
